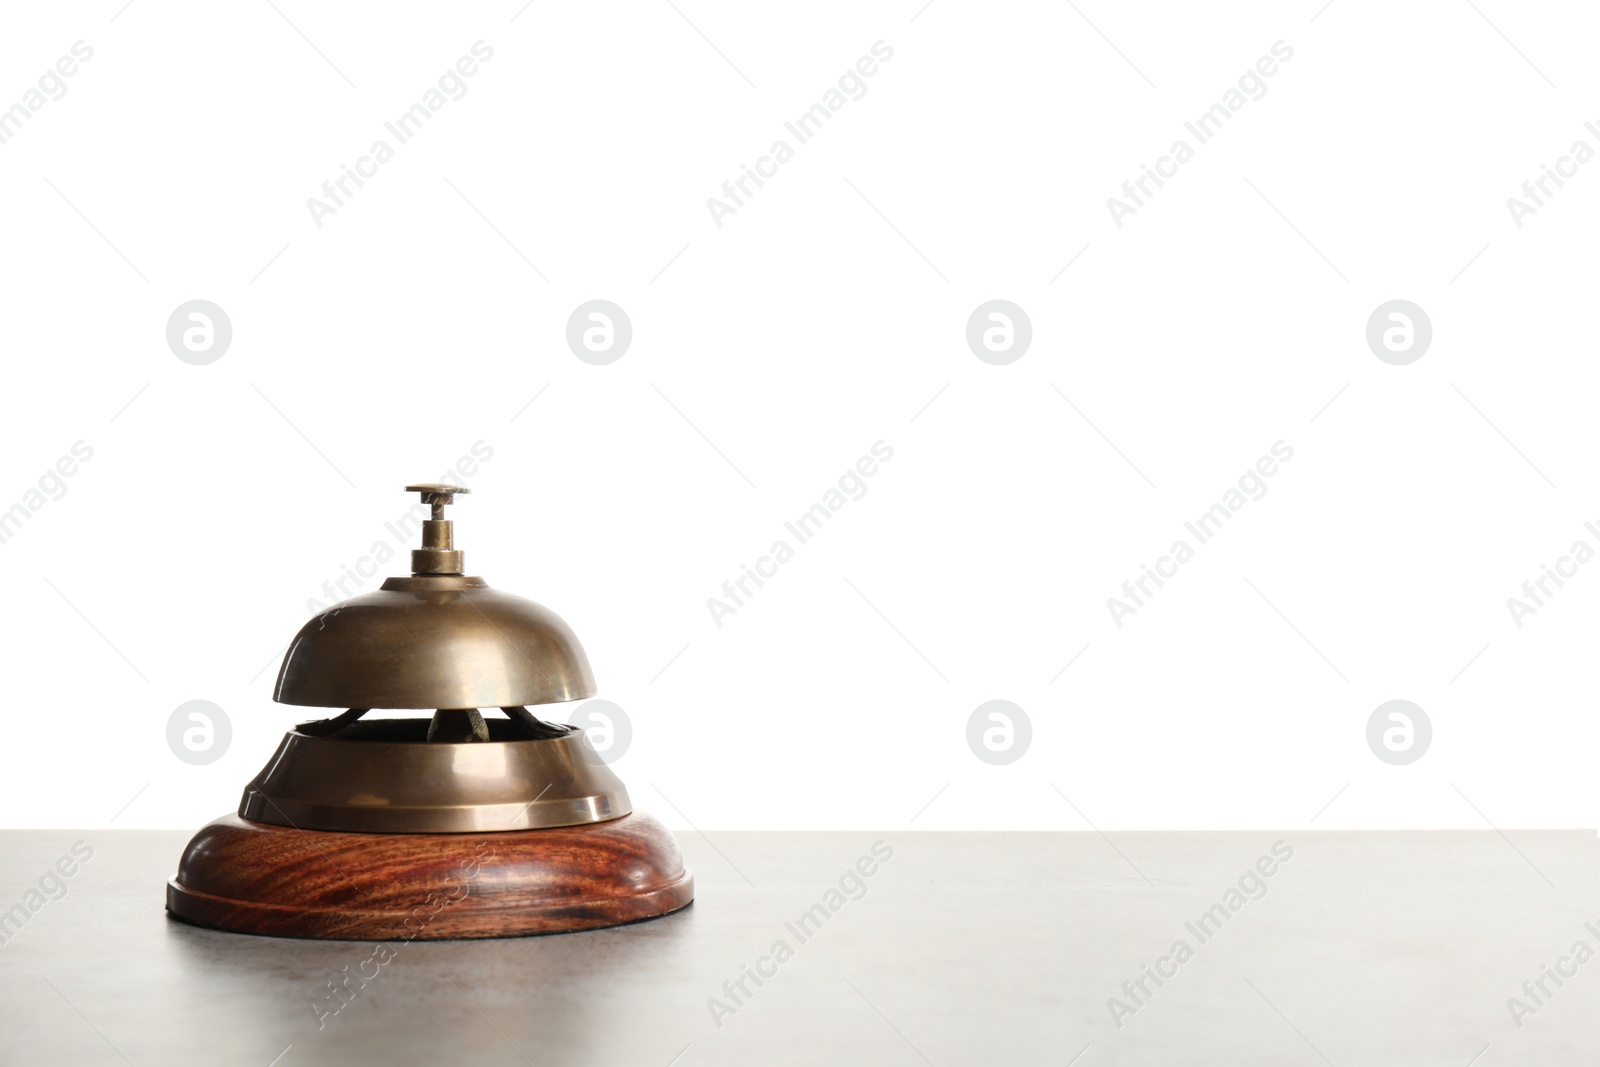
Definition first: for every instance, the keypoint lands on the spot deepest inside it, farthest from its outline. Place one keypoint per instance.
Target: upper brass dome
(436, 639)
(434, 642)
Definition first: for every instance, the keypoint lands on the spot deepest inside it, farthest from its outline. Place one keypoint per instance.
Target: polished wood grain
(256, 878)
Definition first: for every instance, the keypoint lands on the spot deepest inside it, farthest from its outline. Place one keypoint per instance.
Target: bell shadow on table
(429, 1000)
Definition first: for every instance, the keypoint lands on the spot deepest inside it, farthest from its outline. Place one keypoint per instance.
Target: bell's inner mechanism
(448, 726)
(444, 642)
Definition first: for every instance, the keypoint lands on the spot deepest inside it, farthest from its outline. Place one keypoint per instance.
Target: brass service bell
(456, 825)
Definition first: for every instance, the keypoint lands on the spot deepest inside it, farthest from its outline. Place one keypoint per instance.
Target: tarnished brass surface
(438, 554)
(382, 776)
(449, 644)
(437, 639)
(431, 642)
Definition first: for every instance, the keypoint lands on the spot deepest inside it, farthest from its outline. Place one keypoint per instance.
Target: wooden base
(254, 878)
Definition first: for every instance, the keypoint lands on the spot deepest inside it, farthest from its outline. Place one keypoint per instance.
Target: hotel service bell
(456, 824)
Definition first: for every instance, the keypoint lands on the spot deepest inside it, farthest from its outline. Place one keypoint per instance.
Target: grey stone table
(1001, 948)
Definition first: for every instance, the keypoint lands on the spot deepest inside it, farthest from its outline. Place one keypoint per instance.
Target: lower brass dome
(384, 776)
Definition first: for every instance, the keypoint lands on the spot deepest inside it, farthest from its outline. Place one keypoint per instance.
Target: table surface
(1360, 948)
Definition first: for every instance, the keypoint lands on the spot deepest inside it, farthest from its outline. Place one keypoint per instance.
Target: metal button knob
(438, 554)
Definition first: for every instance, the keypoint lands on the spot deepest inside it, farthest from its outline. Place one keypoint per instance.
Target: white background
(827, 314)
